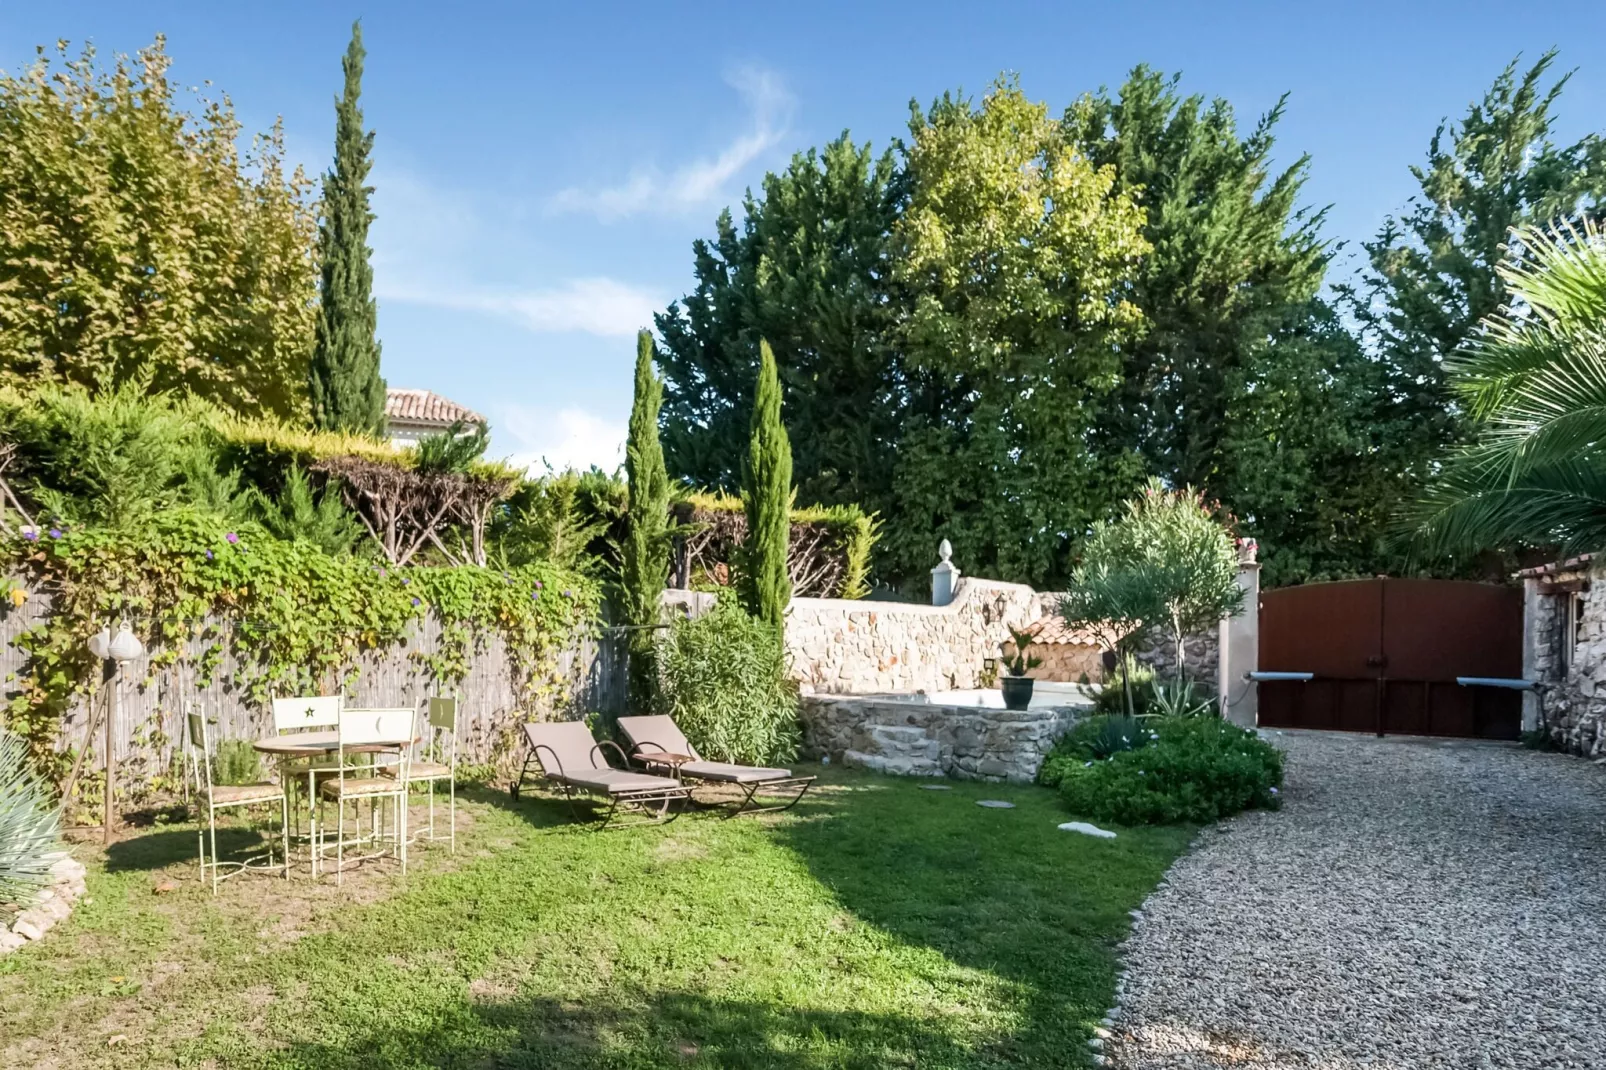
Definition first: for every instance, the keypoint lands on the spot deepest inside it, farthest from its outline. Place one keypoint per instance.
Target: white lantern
(125, 645)
(100, 644)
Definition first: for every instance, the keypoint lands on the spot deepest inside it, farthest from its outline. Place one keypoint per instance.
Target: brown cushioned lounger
(659, 743)
(571, 758)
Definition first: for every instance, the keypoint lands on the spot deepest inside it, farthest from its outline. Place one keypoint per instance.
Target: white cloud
(599, 306)
(566, 438)
(702, 181)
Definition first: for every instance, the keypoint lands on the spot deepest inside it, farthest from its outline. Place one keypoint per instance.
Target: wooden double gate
(1385, 654)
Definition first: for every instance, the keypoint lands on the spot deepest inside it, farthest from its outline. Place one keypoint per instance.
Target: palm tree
(1535, 379)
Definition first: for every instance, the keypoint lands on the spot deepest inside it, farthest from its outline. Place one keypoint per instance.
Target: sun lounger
(568, 756)
(659, 744)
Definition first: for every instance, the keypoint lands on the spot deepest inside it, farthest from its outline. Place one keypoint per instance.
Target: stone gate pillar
(1240, 646)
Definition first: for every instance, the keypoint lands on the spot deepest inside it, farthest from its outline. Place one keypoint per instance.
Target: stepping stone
(1088, 830)
(934, 787)
(995, 804)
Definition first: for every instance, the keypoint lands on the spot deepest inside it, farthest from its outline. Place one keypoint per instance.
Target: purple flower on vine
(209, 555)
(417, 602)
(231, 538)
(405, 581)
(55, 533)
(538, 585)
(30, 533)
(382, 573)
(568, 594)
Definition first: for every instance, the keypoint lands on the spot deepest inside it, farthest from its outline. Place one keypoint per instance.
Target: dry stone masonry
(847, 647)
(1565, 652)
(51, 904)
(911, 737)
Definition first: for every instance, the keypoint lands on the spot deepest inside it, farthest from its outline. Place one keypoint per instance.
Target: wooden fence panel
(590, 678)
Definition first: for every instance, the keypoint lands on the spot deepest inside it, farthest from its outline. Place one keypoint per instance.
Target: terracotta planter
(1017, 692)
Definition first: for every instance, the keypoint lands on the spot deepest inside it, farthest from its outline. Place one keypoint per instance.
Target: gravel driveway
(1416, 904)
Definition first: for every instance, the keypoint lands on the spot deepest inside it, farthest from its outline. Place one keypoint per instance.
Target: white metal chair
(213, 797)
(301, 714)
(367, 734)
(440, 763)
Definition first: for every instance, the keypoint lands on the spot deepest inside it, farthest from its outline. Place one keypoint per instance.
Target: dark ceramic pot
(1017, 692)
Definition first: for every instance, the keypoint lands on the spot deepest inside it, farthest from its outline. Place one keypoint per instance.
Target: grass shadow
(168, 846)
(999, 890)
(680, 1029)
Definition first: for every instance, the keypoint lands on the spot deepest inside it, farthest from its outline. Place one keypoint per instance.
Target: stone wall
(913, 738)
(844, 647)
(1571, 699)
(840, 647)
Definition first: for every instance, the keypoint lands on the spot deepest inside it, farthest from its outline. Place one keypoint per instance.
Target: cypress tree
(347, 392)
(767, 495)
(646, 550)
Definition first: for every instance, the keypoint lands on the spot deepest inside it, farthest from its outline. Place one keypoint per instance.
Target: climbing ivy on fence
(300, 618)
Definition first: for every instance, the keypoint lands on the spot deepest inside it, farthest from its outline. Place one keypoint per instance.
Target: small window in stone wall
(1572, 630)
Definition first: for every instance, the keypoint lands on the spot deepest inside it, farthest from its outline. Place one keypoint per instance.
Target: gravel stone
(1416, 904)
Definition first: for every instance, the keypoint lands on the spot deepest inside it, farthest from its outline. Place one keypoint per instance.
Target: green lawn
(877, 924)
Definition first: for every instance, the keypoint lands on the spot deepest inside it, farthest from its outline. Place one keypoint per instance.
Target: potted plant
(1017, 686)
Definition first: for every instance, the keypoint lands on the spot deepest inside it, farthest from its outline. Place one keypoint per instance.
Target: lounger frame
(653, 804)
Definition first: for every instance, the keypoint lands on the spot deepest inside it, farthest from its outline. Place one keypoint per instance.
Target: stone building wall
(1571, 701)
(914, 738)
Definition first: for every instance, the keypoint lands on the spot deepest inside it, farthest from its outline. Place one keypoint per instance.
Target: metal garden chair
(440, 763)
(214, 797)
(314, 713)
(367, 735)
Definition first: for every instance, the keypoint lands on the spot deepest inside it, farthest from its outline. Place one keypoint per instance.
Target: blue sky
(543, 169)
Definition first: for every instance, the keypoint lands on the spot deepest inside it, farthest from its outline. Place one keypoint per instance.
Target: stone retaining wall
(913, 738)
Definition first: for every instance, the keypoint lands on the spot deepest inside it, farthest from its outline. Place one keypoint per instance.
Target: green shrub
(1194, 769)
(723, 678)
(1111, 698)
(1093, 740)
(29, 823)
(237, 762)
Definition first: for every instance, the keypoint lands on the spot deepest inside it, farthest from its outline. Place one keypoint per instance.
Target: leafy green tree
(347, 392)
(1534, 379)
(1231, 253)
(550, 519)
(767, 497)
(646, 548)
(1433, 272)
(1167, 558)
(1014, 255)
(1314, 462)
(137, 243)
(808, 271)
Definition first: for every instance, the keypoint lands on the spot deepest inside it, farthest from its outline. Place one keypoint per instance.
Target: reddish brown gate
(1386, 653)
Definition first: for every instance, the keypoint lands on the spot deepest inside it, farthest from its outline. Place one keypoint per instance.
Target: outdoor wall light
(118, 647)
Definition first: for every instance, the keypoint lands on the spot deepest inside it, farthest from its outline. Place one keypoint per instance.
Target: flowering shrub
(1195, 769)
(300, 617)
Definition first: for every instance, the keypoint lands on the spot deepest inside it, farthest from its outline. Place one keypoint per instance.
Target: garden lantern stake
(118, 650)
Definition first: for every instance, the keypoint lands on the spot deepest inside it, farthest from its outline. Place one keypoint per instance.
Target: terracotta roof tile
(1053, 631)
(424, 407)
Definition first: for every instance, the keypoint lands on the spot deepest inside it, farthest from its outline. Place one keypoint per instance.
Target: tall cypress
(767, 495)
(646, 549)
(347, 392)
